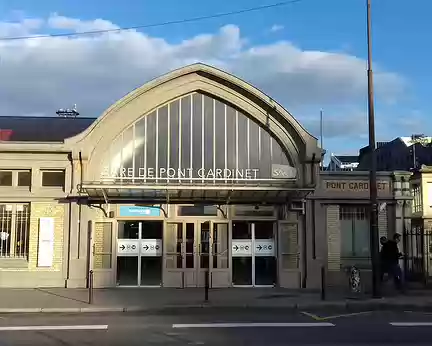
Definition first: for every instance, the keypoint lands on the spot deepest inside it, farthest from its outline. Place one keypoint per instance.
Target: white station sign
(134, 247)
(264, 247)
(241, 248)
(128, 247)
(151, 247)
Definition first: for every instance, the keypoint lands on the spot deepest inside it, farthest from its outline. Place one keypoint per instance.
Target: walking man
(392, 257)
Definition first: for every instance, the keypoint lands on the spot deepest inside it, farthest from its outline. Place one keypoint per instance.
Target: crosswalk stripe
(253, 325)
(30, 328)
(411, 324)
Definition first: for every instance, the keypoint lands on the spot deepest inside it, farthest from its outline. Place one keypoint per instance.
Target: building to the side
(400, 154)
(418, 237)
(339, 231)
(342, 163)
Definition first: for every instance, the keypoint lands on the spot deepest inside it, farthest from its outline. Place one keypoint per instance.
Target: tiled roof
(41, 129)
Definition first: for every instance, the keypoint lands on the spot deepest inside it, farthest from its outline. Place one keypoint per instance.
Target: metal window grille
(14, 230)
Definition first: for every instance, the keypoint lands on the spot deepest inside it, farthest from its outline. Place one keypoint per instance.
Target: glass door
(192, 249)
(139, 253)
(241, 247)
(128, 252)
(253, 253)
(264, 254)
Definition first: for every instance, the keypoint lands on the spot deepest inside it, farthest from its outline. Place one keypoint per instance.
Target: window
(417, 200)
(24, 178)
(14, 230)
(197, 210)
(354, 225)
(258, 211)
(53, 178)
(5, 178)
(15, 178)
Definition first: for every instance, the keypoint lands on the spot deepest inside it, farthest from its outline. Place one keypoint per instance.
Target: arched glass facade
(196, 137)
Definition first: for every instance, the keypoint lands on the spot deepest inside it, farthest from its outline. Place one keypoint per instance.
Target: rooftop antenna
(321, 137)
(68, 113)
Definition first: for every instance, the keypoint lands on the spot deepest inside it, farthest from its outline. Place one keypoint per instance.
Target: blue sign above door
(134, 211)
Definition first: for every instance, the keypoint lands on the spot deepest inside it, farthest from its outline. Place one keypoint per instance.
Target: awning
(196, 193)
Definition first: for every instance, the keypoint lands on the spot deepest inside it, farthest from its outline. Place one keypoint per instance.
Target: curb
(350, 305)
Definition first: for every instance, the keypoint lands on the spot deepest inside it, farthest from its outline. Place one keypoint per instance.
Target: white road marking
(324, 318)
(411, 324)
(30, 328)
(252, 325)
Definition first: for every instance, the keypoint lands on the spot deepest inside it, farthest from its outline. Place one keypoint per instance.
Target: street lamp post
(373, 215)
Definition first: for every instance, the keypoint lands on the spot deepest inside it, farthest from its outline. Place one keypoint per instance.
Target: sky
(308, 55)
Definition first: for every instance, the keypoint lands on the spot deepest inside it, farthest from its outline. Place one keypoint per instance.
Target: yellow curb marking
(324, 318)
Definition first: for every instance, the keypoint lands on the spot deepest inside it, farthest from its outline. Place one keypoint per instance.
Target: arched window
(194, 137)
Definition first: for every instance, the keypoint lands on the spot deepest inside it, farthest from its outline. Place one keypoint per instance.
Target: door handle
(93, 249)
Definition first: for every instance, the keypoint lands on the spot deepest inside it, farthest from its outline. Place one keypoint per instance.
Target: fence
(417, 253)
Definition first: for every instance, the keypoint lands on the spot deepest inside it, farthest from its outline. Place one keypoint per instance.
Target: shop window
(14, 230)
(24, 178)
(53, 178)
(197, 210)
(5, 178)
(354, 226)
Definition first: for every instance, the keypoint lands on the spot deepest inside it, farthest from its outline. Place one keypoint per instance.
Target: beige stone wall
(46, 209)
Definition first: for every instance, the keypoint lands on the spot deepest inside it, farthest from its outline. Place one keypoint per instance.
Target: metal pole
(207, 284)
(323, 283)
(90, 287)
(321, 135)
(373, 215)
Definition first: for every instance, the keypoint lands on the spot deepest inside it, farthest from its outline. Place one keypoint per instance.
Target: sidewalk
(166, 299)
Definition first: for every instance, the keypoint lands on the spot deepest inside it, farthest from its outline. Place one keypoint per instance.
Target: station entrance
(193, 248)
(139, 253)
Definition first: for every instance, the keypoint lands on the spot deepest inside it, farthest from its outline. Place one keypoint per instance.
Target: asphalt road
(218, 328)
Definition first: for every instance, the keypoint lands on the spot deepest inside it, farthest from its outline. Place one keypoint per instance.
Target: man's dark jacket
(390, 252)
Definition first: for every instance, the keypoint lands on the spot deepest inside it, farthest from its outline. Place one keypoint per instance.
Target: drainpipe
(80, 220)
(69, 222)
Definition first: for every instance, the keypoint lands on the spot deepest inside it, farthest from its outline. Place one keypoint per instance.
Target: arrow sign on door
(122, 247)
(146, 247)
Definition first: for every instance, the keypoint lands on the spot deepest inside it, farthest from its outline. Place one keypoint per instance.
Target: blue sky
(335, 28)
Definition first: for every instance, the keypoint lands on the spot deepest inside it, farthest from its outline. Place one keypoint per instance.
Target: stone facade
(345, 195)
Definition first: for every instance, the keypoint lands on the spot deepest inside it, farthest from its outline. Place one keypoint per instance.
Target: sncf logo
(5, 135)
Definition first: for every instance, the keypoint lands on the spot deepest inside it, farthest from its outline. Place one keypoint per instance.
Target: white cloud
(42, 75)
(276, 27)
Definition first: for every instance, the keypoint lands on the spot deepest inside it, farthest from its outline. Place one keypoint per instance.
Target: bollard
(90, 287)
(206, 286)
(323, 283)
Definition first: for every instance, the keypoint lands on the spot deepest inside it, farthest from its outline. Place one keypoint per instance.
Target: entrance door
(139, 253)
(253, 253)
(192, 249)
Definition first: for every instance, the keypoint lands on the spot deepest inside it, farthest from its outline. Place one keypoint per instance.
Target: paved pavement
(213, 327)
(151, 299)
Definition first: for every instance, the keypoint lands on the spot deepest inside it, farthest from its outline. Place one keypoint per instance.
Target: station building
(194, 171)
